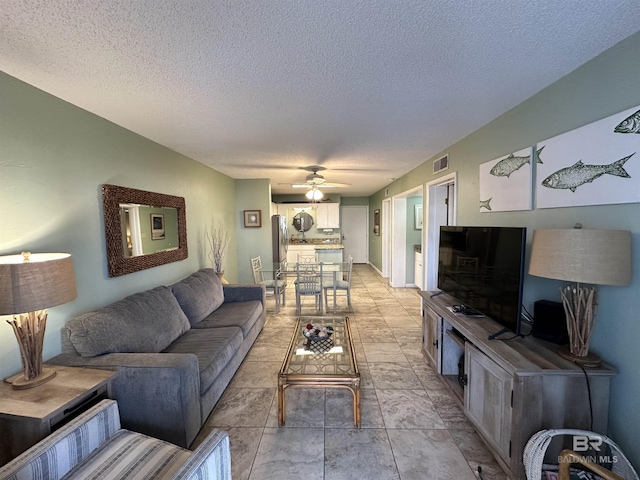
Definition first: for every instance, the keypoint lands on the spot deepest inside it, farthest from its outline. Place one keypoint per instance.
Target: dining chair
(339, 288)
(275, 286)
(304, 258)
(308, 283)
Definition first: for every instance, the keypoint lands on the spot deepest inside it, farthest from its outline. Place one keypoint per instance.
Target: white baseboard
(376, 269)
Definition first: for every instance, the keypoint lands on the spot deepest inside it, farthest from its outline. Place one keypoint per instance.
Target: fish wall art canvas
(597, 164)
(506, 182)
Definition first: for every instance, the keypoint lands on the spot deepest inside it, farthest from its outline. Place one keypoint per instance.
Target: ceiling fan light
(314, 194)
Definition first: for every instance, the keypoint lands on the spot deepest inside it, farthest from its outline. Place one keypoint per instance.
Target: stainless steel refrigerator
(280, 238)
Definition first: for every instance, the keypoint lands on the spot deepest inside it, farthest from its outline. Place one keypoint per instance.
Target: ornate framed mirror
(142, 229)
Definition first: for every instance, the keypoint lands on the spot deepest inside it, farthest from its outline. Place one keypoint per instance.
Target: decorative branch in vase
(217, 238)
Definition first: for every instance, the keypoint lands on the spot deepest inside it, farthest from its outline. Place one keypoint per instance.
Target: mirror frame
(118, 264)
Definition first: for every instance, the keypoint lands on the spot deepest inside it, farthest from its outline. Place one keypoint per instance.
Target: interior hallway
(412, 427)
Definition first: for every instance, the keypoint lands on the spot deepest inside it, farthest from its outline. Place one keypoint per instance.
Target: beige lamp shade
(597, 257)
(28, 285)
(46, 280)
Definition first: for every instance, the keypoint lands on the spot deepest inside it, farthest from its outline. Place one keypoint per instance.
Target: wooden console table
(27, 416)
(510, 389)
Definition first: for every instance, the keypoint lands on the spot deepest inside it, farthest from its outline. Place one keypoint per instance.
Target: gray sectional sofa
(176, 349)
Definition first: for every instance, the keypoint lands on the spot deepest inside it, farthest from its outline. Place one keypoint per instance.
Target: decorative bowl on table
(317, 333)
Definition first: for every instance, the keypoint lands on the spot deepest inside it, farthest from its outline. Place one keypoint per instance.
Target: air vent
(441, 164)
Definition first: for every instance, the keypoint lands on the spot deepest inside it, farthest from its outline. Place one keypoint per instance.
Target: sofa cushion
(199, 294)
(144, 322)
(214, 347)
(238, 314)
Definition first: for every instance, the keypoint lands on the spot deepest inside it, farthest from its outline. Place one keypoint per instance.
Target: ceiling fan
(315, 180)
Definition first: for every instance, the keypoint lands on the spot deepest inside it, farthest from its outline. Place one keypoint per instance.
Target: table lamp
(596, 257)
(29, 283)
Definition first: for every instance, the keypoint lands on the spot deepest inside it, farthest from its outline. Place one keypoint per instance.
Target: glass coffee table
(324, 363)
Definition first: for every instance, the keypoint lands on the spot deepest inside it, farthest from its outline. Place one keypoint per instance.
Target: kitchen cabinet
(328, 215)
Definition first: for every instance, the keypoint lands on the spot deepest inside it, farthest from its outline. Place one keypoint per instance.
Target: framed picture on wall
(253, 218)
(419, 217)
(157, 226)
(376, 222)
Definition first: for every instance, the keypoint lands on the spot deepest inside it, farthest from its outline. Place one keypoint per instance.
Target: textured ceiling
(368, 89)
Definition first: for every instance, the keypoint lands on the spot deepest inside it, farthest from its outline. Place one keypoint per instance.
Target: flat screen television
(483, 268)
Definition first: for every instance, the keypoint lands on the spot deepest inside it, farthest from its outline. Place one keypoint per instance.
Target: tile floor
(411, 426)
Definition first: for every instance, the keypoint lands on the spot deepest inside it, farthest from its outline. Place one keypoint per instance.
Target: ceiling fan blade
(297, 185)
(333, 185)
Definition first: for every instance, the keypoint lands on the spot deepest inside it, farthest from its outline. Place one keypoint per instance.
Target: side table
(27, 416)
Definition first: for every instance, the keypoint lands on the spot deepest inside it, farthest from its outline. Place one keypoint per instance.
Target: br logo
(582, 443)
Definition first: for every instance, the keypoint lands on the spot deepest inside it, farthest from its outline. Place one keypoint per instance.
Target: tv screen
(483, 268)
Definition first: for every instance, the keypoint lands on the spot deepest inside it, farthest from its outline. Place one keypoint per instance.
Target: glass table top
(289, 268)
(333, 356)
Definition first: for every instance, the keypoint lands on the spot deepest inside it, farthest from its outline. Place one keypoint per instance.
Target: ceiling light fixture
(314, 194)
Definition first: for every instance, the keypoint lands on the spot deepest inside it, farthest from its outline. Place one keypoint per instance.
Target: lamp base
(591, 360)
(18, 382)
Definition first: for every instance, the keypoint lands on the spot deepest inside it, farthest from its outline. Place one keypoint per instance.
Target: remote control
(465, 310)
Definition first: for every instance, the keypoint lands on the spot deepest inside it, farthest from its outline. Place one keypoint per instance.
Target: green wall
(599, 88)
(54, 157)
(253, 195)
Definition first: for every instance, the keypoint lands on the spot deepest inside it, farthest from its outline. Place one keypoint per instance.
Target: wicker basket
(536, 448)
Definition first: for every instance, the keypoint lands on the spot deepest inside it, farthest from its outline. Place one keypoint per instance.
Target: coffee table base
(323, 364)
(353, 386)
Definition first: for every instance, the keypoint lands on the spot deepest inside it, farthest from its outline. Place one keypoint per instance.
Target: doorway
(355, 233)
(440, 202)
(407, 218)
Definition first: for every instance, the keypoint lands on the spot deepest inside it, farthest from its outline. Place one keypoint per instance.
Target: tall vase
(222, 279)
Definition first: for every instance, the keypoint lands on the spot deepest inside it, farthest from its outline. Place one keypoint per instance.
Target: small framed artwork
(253, 218)
(419, 217)
(376, 222)
(157, 226)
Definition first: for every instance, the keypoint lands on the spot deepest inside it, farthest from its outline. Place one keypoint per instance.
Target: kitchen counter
(317, 243)
(329, 246)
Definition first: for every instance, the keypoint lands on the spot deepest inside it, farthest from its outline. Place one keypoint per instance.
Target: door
(487, 399)
(355, 233)
(431, 338)
(440, 205)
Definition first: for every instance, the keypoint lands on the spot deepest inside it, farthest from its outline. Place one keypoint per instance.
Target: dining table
(331, 272)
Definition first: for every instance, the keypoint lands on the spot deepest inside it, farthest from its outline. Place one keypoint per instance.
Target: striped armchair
(94, 446)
